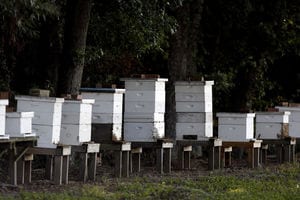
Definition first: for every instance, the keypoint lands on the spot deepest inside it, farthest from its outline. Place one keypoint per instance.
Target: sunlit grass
(272, 183)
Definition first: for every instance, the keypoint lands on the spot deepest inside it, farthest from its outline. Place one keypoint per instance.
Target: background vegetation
(250, 48)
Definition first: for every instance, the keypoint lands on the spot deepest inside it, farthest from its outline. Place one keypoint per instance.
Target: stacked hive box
(46, 122)
(76, 122)
(194, 110)
(294, 120)
(144, 109)
(107, 114)
(272, 125)
(3, 104)
(236, 127)
(19, 124)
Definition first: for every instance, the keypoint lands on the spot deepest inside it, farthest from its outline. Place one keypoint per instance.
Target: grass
(281, 182)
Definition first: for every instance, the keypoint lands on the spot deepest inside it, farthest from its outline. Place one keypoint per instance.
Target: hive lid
(145, 79)
(223, 114)
(40, 99)
(274, 113)
(4, 102)
(196, 83)
(20, 114)
(285, 108)
(103, 90)
(86, 101)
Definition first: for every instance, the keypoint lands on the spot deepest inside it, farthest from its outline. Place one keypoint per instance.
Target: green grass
(282, 182)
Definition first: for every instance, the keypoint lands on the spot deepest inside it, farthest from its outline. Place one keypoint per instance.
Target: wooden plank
(49, 167)
(65, 169)
(84, 167)
(20, 171)
(211, 158)
(217, 157)
(167, 160)
(28, 170)
(160, 160)
(187, 160)
(118, 163)
(65, 150)
(92, 166)
(58, 165)
(125, 163)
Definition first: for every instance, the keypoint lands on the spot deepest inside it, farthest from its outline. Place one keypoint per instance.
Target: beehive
(272, 125)
(76, 121)
(236, 126)
(294, 120)
(144, 109)
(107, 117)
(194, 117)
(19, 124)
(3, 104)
(46, 123)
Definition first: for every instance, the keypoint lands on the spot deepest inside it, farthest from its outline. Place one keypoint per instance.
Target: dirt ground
(105, 173)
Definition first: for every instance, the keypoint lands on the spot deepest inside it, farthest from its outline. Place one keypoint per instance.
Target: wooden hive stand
(163, 148)
(20, 159)
(57, 165)
(285, 149)
(121, 156)
(88, 164)
(214, 152)
(253, 148)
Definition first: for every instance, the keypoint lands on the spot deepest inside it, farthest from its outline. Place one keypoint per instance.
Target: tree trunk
(77, 21)
(183, 51)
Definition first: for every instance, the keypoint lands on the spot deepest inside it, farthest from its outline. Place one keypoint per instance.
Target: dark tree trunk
(183, 52)
(77, 21)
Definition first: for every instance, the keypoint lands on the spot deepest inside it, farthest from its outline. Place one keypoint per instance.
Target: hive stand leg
(28, 170)
(229, 158)
(256, 157)
(160, 160)
(211, 158)
(135, 162)
(217, 157)
(20, 171)
(49, 167)
(84, 168)
(287, 153)
(125, 163)
(92, 166)
(65, 169)
(279, 153)
(118, 163)
(293, 152)
(180, 156)
(167, 160)
(58, 165)
(187, 160)
(13, 167)
(251, 157)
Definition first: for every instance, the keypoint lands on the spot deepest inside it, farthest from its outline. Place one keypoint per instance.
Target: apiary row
(100, 116)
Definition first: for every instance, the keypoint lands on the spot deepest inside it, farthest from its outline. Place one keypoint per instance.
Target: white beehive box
(108, 106)
(3, 104)
(187, 91)
(76, 121)
(294, 120)
(144, 96)
(236, 126)
(47, 110)
(194, 117)
(107, 115)
(197, 131)
(46, 122)
(144, 132)
(144, 109)
(271, 125)
(19, 124)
